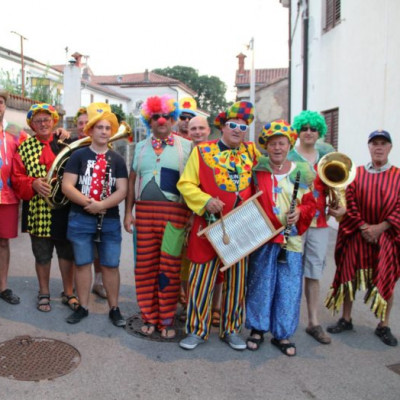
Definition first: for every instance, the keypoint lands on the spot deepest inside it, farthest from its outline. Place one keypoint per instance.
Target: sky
(122, 37)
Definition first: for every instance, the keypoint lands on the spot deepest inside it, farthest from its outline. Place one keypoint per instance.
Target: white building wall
(98, 97)
(72, 89)
(354, 67)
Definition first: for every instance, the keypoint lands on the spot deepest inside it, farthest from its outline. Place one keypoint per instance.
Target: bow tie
(157, 143)
(235, 160)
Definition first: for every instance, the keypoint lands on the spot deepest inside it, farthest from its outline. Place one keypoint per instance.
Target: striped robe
(372, 198)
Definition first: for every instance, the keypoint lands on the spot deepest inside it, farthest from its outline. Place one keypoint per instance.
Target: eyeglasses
(306, 128)
(185, 117)
(42, 121)
(155, 117)
(234, 125)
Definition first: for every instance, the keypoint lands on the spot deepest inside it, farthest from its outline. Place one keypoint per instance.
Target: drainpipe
(290, 63)
(305, 54)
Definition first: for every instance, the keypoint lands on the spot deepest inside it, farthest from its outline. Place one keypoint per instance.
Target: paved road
(116, 365)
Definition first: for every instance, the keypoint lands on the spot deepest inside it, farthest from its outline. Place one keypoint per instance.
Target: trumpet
(57, 199)
(337, 171)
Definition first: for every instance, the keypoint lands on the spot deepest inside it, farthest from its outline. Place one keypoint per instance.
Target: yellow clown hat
(99, 111)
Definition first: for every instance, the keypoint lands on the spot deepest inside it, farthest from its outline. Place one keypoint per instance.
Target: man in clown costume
(47, 227)
(217, 178)
(160, 215)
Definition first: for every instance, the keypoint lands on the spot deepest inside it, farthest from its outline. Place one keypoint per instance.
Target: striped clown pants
(160, 229)
(202, 278)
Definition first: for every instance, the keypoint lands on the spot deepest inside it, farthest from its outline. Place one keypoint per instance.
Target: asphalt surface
(117, 365)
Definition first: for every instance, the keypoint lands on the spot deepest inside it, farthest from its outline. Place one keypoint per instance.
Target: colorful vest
(216, 181)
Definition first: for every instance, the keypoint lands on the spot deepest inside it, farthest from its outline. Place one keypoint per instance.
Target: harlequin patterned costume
(371, 198)
(37, 217)
(213, 170)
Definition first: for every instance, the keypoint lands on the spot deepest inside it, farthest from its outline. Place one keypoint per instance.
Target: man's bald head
(198, 129)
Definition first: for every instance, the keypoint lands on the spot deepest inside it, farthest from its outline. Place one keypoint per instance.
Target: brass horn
(337, 171)
(56, 198)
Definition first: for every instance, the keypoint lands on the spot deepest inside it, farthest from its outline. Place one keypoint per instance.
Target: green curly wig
(312, 118)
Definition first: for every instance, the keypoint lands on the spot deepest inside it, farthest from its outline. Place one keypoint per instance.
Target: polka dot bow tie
(158, 143)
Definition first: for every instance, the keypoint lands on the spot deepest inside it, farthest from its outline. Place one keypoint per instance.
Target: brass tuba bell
(337, 171)
(56, 198)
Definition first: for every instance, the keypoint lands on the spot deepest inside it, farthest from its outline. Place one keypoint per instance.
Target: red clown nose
(161, 121)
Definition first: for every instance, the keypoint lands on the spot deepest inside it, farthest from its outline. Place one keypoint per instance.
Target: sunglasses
(155, 117)
(306, 128)
(234, 125)
(185, 118)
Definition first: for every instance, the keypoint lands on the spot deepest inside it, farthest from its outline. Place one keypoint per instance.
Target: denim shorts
(81, 232)
(43, 247)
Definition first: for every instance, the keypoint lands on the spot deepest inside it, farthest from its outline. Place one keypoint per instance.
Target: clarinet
(100, 217)
(288, 229)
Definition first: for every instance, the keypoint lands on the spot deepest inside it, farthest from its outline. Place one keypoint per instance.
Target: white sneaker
(191, 341)
(235, 341)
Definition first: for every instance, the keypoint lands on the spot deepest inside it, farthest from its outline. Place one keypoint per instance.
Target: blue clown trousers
(274, 291)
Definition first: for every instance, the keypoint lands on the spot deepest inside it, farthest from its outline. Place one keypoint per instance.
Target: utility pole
(22, 38)
(252, 88)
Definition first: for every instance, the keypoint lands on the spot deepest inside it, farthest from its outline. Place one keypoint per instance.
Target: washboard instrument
(248, 228)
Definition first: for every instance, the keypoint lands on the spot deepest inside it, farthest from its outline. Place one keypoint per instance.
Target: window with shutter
(332, 121)
(332, 14)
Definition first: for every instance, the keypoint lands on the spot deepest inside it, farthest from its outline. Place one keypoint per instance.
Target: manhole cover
(134, 323)
(394, 368)
(25, 358)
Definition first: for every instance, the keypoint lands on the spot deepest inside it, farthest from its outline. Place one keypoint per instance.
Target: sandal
(216, 318)
(71, 301)
(165, 333)
(43, 303)
(340, 326)
(284, 347)
(8, 296)
(256, 341)
(150, 329)
(318, 334)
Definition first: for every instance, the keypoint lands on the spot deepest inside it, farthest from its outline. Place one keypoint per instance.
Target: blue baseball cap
(380, 133)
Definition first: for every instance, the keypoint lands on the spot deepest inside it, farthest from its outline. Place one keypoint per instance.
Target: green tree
(119, 112)
(10, 82)
(210, 89)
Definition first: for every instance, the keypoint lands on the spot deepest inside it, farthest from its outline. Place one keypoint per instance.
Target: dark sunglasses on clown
(306, 128)
(155, 117)
(234, 125)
